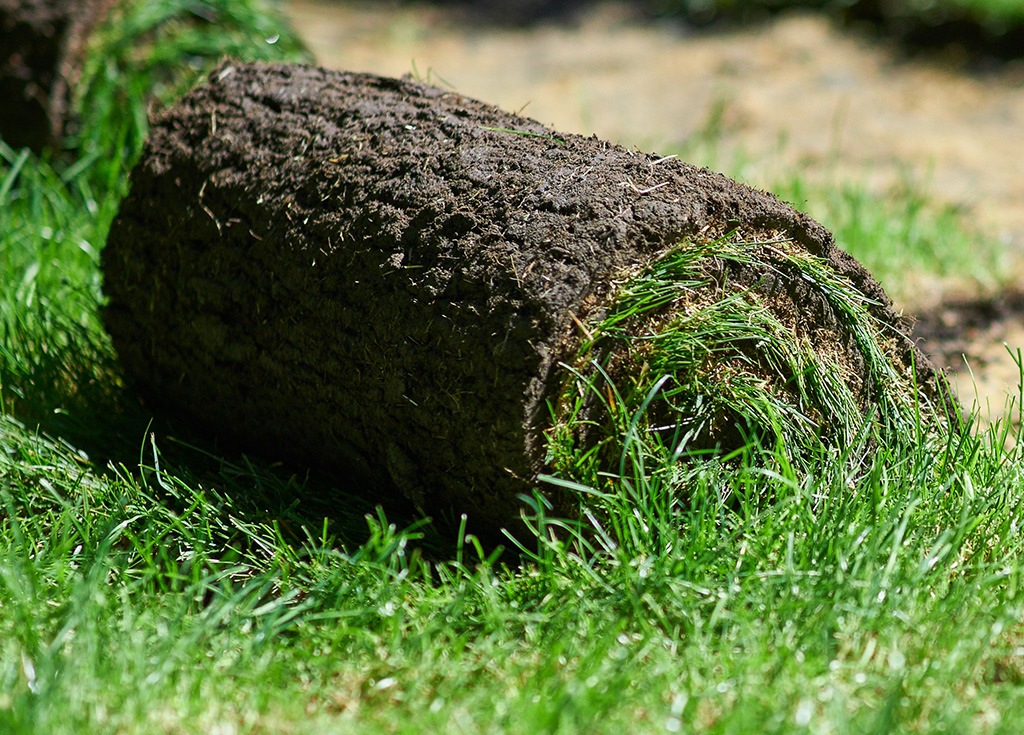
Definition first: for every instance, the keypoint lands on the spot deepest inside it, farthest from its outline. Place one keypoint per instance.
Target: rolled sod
(393, 282)
(42, 45)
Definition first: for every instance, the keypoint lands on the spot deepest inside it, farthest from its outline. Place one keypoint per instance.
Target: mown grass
(684, 360)
(147, 587)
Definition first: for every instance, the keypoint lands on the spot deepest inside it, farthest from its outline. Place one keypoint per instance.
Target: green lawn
(151, 586)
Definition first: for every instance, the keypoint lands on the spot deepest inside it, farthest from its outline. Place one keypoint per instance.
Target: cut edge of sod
(689, 361)
(58, 370)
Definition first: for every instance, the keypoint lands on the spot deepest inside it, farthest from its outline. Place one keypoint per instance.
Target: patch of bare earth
(796, 92)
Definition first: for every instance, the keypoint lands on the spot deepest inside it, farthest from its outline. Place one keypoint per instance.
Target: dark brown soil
(952, 329)
(978, 340)
(41, 42)
(380, 277)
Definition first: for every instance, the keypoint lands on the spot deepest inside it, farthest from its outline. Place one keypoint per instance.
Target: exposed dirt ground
(793, 92)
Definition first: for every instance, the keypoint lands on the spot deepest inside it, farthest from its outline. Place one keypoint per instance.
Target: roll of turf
(390, 280)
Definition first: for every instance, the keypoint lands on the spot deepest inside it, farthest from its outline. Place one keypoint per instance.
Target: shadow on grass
(72, 390)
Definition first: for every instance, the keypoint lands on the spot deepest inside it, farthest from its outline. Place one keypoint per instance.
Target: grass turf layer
(687, 363)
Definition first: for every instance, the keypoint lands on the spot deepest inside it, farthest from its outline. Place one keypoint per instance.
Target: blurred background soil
(793, 93)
